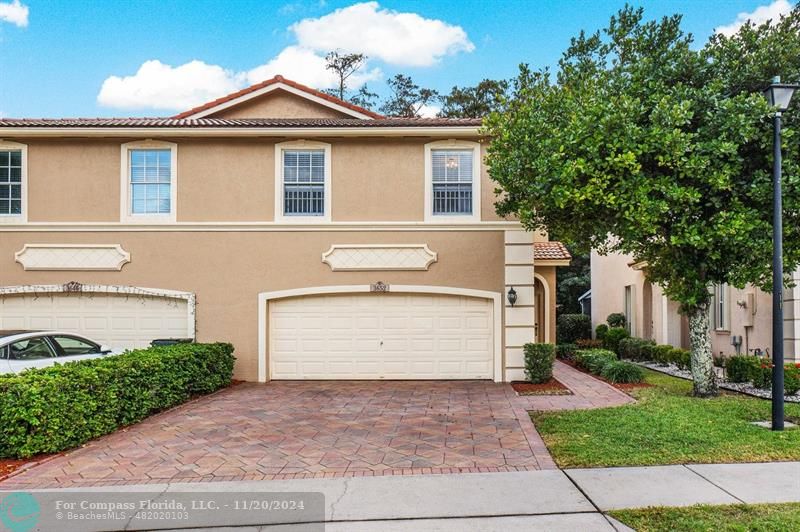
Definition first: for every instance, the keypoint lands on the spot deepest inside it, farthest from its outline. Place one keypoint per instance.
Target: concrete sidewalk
(534, 500)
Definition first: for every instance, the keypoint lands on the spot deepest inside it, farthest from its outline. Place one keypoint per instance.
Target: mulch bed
(10, 466)
(624, 387)
(551, 387)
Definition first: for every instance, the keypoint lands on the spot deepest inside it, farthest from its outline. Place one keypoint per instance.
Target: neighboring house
(742, 316)
(323, 240)
(585, 301)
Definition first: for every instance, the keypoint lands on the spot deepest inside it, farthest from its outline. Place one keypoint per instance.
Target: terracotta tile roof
(550, 251)
(237, 122)
(273, 81)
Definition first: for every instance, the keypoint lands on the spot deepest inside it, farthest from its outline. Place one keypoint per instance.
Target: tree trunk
(705, 382)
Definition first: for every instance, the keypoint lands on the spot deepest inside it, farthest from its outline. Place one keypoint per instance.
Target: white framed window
(13, 182)
(302, 182)
(452, 181)
(149, 181)
(721, 307)
(629, 308)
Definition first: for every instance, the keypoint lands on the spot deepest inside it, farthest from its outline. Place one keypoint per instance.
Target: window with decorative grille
(451, 177)
(304, 182)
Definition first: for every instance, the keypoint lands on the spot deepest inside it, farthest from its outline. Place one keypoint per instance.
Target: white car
(21, 350)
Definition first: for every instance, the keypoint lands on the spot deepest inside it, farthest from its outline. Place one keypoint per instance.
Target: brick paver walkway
(325, 429)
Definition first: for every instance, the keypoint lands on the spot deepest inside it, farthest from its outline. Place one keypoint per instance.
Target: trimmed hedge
(743, 368)
(600, 332)
(622, 372)
(571, 327)
(57, 408)
(539, 360)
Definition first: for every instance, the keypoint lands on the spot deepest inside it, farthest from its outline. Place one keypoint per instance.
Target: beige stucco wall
(227, 270)
(234, 179)
(279, 104)
(609, 276)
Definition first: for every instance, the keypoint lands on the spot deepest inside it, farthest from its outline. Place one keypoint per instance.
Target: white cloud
(405, 39)
(306, 67)
(396, 38)
(15, 12)
(758, 16)
(429, 111)
(159, 86)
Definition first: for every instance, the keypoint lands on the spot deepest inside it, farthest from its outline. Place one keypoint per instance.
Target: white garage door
(119, 321)
(381, 336)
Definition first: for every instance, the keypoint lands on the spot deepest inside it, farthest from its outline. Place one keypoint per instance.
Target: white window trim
(476, 181)
(126, 216)
(300, 145)
(23, 216)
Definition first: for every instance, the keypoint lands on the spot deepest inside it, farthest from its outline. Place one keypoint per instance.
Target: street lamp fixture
(778, 95)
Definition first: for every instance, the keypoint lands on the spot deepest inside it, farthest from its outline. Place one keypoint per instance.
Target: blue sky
(75, 58)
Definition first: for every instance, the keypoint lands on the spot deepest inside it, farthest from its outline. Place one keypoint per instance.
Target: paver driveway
(301, 429)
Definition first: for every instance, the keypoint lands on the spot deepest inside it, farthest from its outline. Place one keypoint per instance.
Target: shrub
(680, 357)
(791, 379)
(571, 327)
(613, 337)
(616, 319)
(742, 368)
(594, 360)
(600, 331)
(662, 354)
(719, 360)
(589, 344)
(52, 409)
(635, 348)
(762, 375)
(566, 351)
(539, 362)
(621, 371)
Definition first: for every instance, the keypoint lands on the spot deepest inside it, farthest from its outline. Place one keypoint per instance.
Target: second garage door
(381, 336)
(118, 320)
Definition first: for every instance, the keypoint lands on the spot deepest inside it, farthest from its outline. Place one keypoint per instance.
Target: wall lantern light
(512, 296)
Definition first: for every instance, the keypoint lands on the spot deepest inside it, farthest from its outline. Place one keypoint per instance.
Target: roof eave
(153, 132)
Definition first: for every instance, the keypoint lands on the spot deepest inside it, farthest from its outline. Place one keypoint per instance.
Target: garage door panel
(121, 321)
(374, 336)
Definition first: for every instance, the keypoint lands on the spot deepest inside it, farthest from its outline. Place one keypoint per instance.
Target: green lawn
(668, 426)
(761, 517)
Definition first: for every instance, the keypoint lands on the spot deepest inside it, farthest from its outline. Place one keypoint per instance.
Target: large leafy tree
(645, 144)
(486, 97)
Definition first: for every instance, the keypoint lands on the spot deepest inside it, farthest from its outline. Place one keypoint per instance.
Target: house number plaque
(380, 286)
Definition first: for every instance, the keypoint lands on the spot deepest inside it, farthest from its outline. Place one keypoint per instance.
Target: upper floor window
(149, 181)
(452, 181)
(302, 181)
(12, 181)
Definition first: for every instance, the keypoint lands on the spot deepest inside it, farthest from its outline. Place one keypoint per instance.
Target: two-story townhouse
(323, 240)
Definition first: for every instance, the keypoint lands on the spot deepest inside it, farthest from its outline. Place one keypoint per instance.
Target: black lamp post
(778, 95)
